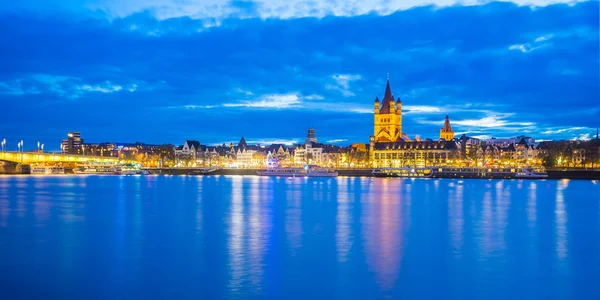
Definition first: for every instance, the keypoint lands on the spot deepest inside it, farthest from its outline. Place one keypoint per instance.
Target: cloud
(494, 121)
(193, 70)
(278, 9)
(336, 141)
(582, 137)
(106, 87)
(269, 141)
(412, 109)
(64, 86)
(277, 101)
(539, 42)
(563, 130)
(342, 83)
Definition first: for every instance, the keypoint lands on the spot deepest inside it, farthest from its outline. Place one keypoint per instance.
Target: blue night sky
(162, 71)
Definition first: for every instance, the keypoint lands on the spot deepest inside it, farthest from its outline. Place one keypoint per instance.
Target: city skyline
(138, 73)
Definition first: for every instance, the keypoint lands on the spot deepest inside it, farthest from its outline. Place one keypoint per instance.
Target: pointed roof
(193, 143)
(388, 99)
(447, 127)
(242, 143)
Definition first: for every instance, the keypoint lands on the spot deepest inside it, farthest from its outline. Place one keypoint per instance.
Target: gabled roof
(242, 143)
(193, 143)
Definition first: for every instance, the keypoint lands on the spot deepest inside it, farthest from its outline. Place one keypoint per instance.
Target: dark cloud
(519, 64)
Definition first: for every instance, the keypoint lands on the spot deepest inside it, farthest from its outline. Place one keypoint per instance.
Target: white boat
(129, 169)
(489, 172)
(532, 173)
(95, 169)
(462, 172)
(47, 170)
(38, 170)
(307, 171)
(203, 171)
(407, 172)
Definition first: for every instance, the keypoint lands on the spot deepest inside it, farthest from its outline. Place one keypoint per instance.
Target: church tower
(446, 133)
(388, 117)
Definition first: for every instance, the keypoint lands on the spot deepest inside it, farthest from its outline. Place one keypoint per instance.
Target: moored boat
(489, 172)
(403, 172)
(48, 170)
(129, 169)
(306, 171)
(462, 172)
(95, 169)
(203, 171)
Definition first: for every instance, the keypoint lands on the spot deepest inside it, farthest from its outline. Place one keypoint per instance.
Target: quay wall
(552, 174)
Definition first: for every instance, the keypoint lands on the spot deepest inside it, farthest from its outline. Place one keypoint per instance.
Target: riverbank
(552, 174)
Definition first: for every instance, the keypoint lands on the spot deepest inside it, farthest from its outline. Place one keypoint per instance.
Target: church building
(446, 133)
(390, 147)
(388, 117)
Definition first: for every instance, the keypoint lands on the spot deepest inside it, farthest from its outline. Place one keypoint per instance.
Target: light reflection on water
(297, 238)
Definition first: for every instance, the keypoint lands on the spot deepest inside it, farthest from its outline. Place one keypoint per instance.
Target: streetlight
(42, 148)
(3, 143)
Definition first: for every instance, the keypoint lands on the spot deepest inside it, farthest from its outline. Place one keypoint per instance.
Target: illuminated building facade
(73, 144)
(446, 133)
(387, 117)
(389, 147)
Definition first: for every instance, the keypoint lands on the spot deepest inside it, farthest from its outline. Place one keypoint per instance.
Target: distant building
(73, 144)
(310, 152)
(310, 137)
(390, 147)
(510, 141)
(446, 133)
(387, 117)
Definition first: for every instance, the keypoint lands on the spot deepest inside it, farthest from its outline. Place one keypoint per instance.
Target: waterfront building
(390, 147)
(333, 156)
(188, 150)
(309, 153)
(387, 117)
(280, 154)
(73, 144)
(505, 142)
(446, 133)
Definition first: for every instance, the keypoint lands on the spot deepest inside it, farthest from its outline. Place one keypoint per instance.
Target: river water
(234, 237)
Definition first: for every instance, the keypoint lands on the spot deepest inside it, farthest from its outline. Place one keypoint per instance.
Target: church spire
(446, 133)
(388, 99)
(447, 127)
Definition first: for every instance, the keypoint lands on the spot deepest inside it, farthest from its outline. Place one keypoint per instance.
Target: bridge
(39, 157)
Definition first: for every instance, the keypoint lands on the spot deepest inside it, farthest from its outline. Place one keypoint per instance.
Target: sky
(163, 71)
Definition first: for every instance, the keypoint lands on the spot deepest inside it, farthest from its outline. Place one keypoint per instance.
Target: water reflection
(531, 204)
(236, 235)
(456, 219)
(382, 232)
(299, 239)
(343, 235)
(561, 220)
(250, 226)
(293, 219)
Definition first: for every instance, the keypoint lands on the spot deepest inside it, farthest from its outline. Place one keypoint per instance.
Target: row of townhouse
(243, 155)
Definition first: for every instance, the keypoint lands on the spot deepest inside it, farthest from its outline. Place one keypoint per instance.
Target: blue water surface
(233, 237)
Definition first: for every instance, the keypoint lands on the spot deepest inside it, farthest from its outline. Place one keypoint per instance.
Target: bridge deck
(34, 157)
